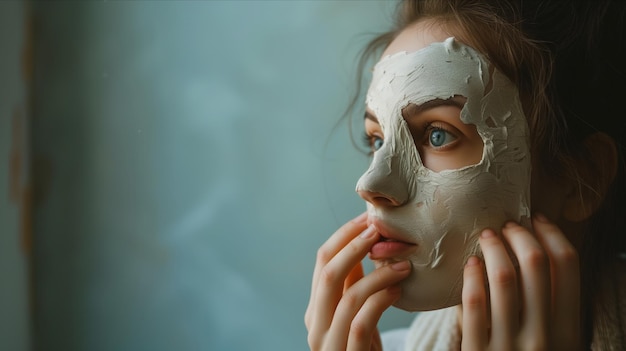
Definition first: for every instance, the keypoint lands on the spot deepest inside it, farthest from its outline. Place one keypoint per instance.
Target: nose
(384, 184)
(379, 199)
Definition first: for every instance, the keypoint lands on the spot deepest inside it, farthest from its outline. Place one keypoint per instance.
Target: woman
(479, 114)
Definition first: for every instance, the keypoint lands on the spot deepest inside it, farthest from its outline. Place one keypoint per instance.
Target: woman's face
(450, 158)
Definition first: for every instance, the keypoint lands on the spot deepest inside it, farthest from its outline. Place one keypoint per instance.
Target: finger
(354, 298)
(503, 292)
(355, 274)
(474, 297)
(336, 242)
(565, 278)
(363, 327)
(330, 284)
(534, 281)
(327, 251)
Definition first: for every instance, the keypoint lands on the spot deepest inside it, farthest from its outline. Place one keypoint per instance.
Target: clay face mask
(444, 212)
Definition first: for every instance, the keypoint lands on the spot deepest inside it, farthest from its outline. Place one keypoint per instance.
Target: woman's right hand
(345, 306)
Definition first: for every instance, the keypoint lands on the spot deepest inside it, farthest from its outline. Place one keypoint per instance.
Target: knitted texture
(434, 330)
(438, 330)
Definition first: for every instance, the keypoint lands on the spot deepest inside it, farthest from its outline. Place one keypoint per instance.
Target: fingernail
(487, 233)
(368, 233)
(472, 261)
(510, 224)
(401, 266)
(540, 217)
(360, 218)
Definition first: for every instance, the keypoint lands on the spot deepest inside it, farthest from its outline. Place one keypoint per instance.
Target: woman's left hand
(534, 307)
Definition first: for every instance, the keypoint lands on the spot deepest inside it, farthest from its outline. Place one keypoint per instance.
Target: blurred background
(168, 169)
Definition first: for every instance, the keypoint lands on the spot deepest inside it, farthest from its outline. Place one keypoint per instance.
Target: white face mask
(444, 212)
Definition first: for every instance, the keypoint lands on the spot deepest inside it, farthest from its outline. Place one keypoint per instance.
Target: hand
(345, 306)
(534, 308)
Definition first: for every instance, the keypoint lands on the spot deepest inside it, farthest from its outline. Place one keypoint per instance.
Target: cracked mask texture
(443, 212)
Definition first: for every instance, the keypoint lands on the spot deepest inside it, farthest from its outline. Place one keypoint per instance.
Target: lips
(390, 245)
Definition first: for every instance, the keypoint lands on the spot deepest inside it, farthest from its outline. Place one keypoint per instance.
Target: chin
(429, 294)
(410, 305)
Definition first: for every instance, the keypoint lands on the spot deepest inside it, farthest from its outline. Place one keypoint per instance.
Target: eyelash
(368, 140)
(432, 126)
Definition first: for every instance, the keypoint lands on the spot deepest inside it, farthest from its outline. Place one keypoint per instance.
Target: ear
(595, 170)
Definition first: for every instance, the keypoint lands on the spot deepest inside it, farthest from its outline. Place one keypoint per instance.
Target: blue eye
(439, 137)
(377, 143)
(372, 142)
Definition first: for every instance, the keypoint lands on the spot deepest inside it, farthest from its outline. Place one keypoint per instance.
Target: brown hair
(565, 58)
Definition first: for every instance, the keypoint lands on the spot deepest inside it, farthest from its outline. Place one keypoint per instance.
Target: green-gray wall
(187, 168)
(15, 318)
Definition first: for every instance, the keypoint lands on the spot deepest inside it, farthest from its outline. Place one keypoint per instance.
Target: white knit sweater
(430, 331)
(438, 330)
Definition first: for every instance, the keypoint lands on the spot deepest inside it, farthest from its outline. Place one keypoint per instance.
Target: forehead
(440, 70)
(416, 37)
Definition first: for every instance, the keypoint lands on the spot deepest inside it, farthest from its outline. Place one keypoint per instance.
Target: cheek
(466, 156)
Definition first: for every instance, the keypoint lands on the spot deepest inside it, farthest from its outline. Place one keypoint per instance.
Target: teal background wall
(15, 319)
(188, 167)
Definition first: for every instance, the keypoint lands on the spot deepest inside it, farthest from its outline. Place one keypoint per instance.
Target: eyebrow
(371, 117)
(412, 109)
